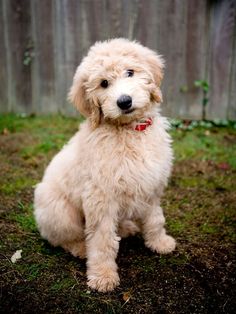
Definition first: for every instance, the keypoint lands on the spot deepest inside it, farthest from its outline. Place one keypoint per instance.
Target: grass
(216, 144)
(200, 209)
(24, 218)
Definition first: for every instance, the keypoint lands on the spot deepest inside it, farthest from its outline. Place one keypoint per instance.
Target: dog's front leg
(102, 245)
(154, 232)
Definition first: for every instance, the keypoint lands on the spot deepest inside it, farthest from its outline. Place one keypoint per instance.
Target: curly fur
(107, 182)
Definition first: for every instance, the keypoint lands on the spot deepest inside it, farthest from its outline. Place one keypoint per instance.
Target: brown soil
(199, 277)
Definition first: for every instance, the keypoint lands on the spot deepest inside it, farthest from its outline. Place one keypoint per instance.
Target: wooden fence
(43, 41)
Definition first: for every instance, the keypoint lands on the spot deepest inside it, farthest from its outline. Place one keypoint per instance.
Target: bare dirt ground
(200, 203)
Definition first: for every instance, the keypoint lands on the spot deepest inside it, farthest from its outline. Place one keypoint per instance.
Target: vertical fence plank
(43, 66)
(59, 52)
(196, 56)
(3, 61)
(74, 44)
(231, 114)
(18, 44)
(173, 23)
(222, 29)
(149, 33)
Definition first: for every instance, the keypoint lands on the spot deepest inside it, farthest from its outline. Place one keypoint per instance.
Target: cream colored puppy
(108, 180)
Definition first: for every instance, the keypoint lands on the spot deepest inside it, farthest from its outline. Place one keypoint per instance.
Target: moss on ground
(199, 205)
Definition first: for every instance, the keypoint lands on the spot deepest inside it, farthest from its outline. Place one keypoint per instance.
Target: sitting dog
(107, 182)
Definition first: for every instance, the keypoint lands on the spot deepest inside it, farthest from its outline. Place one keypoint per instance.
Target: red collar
(142, 124)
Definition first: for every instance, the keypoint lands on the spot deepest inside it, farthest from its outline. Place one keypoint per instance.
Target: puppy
(107, 182)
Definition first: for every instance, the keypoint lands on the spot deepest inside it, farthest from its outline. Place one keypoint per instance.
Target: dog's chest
(129, 167)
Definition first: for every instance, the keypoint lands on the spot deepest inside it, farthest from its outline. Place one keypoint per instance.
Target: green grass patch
(39, 124)
(33, 271)
(176, 227)
(147, 266)
(63, 284)
(17, 184)
(46, 145)
(209, 228)
(203, 181)
(217, 145)
(179, 259)
(24, 217)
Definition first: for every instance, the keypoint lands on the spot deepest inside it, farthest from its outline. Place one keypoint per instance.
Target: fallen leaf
(126, 296)
(16, 256)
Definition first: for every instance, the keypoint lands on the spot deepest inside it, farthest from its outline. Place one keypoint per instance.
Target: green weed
(63, 284)
(176, 227)
(24, 217)
(179, 259)
(17, 184)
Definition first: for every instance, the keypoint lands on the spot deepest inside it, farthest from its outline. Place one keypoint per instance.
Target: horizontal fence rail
(43, 41)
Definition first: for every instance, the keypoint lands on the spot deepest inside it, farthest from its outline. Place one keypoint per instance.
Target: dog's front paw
(163, 245)
(104, 282)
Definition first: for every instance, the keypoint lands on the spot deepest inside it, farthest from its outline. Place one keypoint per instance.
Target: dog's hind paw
(163, 245)
(76, 248)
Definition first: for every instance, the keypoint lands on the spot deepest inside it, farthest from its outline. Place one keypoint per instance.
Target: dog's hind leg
(128, 228)
(58, 220)
(76, 247)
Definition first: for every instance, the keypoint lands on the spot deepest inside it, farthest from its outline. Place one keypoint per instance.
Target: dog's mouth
(128, 111)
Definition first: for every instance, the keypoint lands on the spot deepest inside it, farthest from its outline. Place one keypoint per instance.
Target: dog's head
(119, 80)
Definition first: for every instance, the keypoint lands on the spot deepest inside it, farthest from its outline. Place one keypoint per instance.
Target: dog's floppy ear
(89, 108)
(77, 95)
(156, 66)
(156, 94)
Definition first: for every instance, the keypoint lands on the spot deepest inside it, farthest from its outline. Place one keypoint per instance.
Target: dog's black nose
(124, 102)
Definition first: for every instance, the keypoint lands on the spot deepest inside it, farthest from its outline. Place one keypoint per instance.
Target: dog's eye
(104, 83)
(129, 73)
